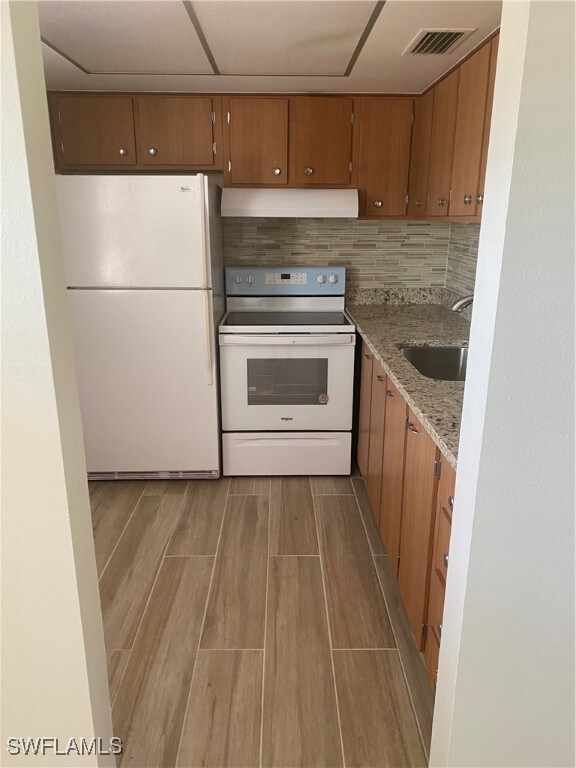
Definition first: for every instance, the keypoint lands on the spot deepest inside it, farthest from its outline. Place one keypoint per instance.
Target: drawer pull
(389, 393)
(445, 559)
(412, 428)
(451, 502)
(439, 629)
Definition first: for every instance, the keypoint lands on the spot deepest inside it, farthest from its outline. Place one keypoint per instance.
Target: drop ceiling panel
(124, 36)
(283, 38)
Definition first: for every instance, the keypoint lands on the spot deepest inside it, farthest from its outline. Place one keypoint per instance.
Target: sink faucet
(462, 303)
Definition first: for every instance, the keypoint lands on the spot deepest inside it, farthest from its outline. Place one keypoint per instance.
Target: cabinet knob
(445, 559)
(467, 199)
(378, 203)
(276, 171)
(418, 203)
(152, 151)
(480, 199)
(412, 428)
(439, 629)
(123, 151)
(380, 377)
(308, 171)
(389, 393)
(441, 202)
(451, 502)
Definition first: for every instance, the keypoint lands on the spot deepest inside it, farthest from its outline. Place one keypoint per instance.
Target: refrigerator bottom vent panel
(177, 475)
(286, 453)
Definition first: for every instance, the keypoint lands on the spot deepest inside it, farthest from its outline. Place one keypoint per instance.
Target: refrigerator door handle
(204, 218)
(208, 335)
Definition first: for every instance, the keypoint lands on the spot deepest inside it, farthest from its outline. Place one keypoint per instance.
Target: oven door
(287, 382)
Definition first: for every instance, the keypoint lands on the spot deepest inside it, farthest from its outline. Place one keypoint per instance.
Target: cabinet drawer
(436, 607)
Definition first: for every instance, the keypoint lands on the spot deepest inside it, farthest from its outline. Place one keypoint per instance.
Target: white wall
(506, 681)
(53, 661)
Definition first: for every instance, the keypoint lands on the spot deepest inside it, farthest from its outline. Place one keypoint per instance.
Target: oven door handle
(254, 340)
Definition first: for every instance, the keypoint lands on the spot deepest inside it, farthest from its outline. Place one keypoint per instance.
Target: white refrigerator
(143, 264)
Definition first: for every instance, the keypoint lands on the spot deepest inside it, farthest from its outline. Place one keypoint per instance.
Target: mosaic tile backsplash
(386, 259)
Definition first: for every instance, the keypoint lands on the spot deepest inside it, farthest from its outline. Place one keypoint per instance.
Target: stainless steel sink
(443, 363)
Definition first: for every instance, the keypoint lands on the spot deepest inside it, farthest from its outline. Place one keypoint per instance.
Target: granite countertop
(438, 404)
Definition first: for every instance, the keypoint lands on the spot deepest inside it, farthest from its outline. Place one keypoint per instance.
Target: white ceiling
(253, 45)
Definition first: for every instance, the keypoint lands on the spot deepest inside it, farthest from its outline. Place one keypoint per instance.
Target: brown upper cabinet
(385, 131)
(256, 140)
(175, 131)
(487, 122)
(421, 135)
(321, 140)
(472, 88)
(442, 145)
(93, 131)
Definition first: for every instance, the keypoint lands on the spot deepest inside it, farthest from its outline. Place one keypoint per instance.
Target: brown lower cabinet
(411, 491)
(365, 408)
(418, 500)
(373, 478)
(393, 473)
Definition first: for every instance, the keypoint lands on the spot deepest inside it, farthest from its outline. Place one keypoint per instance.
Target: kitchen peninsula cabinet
(175, 131)
(321, 140)
(93, 131)
(256, 141)
(385, 132)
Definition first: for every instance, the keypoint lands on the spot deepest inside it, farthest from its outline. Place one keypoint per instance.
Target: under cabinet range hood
(291, 203)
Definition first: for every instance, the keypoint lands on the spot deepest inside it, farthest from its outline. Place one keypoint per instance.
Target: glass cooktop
(286, 318)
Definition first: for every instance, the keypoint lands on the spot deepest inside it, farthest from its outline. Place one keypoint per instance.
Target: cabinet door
(418, 501)
(469, 132)
(431, 654)
(442, 145)
(175, 131)
(487, 122)
(365, 406)
(421, 135)
(256, 141)
(94, 131)
(393, 473)
(321, 140)
(385, 131)
(444, 504)
(373, 478)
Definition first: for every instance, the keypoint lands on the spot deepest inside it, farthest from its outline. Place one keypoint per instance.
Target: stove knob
(333, 278)
(238, 278)
(321, 279)
(249, 278)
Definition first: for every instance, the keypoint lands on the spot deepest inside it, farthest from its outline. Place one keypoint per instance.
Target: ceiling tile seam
(364, 36)
(201, 36)
(65, 56)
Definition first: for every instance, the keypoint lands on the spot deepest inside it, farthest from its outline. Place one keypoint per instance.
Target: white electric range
(286, 372)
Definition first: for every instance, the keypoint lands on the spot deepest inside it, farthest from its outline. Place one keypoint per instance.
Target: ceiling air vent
(437, 41)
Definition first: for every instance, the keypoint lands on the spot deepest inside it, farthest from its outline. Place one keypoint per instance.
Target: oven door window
(288, 381)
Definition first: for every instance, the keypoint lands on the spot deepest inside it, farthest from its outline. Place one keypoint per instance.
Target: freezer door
(133, 231)
(147, 380)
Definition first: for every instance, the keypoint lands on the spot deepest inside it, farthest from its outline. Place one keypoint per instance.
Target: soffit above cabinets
(253, 46)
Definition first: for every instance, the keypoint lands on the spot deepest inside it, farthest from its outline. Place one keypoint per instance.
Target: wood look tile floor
(255, 623)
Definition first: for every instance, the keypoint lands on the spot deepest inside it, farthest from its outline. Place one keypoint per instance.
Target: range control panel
(285, 281)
